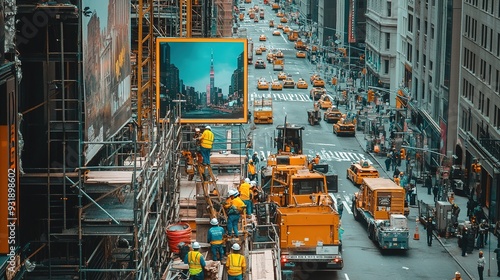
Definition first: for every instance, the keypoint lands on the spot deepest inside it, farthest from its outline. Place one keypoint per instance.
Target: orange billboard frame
(206, 77)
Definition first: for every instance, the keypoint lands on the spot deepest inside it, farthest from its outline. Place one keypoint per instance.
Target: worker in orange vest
(236, 263)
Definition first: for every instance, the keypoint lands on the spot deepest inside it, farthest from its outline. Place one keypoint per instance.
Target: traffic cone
(416, 235)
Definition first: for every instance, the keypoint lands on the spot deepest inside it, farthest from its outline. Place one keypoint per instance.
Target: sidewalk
(468, 263)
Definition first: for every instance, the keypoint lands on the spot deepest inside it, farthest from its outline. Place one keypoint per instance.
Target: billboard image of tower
(220, 101)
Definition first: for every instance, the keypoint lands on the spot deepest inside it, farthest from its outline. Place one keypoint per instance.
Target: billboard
(8, 170)
(106, 70)
(208, 76)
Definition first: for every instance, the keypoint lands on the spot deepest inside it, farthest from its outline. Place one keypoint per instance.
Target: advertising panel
(209, 76)
(8, 170)
(106, 70)
(352, 22)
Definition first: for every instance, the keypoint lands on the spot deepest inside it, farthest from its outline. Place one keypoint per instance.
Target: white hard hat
(232, 192)
(253, 183)
(247, 180)
(197, 129)
(236, 247)
(196, 245)
(255, 153)
(208, 127)
(214, 222)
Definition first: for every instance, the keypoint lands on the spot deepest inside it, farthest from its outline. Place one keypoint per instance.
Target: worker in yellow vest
(234, 207)
(245, 195)
(196, 263)
(236, 264)
(206, 143)
(252, 170)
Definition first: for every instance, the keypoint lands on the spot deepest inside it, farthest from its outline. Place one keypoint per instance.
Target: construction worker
(206, 143)
(252, 170)
(458, 276)
(236, 263)
(255, 158)
(245, 195)
(216, 239)
(196, 262)
(233, 206)
(255, 192)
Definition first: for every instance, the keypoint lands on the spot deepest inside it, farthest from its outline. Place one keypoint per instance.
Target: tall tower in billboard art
(213, 94)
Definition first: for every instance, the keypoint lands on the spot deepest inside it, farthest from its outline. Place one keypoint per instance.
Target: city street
(361, 256)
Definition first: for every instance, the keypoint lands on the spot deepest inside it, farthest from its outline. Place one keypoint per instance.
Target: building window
(498, 42)
(386, 66)
(387, 40)
(487, 107)
(432, 31)
(497, 81)
(409, 51)
(389, 8)
(430, 65)
(489, 74)
(410, 23)
(480, 104)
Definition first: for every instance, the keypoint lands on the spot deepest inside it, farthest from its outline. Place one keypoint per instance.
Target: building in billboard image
(213, 87)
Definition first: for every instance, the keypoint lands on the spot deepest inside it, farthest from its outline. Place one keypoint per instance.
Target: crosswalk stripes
(326, 155)
(294, 97)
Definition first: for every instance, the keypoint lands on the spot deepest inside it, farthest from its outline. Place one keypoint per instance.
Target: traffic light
(403, 153)
(371, 95)
(477, 169)
(334, 81)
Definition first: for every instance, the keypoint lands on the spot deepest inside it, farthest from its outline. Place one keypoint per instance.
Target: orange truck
(306, 218)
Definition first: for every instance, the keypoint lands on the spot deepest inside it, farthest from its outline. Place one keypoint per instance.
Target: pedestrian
(215, 238)
(428, 184)
(497, 256)
(236, 263)
(245, 195)
(388, 161)
(234, 206)
(252, 170)
(480, 265)
(255, 158)
(455, 211)
(206, 143)
(429, 229)
(471, 204)
(340, 207)
(396, 170)
(196, 263)
(435, 190)
(464, 241)
(341, 232)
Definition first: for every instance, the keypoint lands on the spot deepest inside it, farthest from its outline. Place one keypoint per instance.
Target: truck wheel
(371, 232)
(355, 213)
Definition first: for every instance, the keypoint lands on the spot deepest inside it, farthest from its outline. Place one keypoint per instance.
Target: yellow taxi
(251, 15)
(318, 82)
(276, 32)
(300, 54)
(302, 84)
(262, 37)
(271, 23)
(316, 93)
(325, 102)
(280, 14)
(359, 170)
(286, 29)
(263, 48)
(289, 82)
(344, 128)
(283, 20)
(271, 56)
(276, 85)
(313, 77)
(262, 84)
(279, 54)
(280, 26)
(260, 64)
(258, 51)
(282, 76)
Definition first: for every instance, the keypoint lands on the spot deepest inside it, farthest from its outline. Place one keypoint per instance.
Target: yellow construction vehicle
(344, 127)
(263, 111)
(300, 199)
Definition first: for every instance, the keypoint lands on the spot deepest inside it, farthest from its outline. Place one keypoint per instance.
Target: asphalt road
(362, 257)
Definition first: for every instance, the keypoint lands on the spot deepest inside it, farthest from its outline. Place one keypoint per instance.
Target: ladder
(208, 182)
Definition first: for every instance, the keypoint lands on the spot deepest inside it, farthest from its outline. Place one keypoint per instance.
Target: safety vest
(194, 261)
(235, 263)
(251, 169)
(207, 139)
(245, 191)
(238, 203)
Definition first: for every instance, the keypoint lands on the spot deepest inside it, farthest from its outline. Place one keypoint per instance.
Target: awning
(430, 120)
